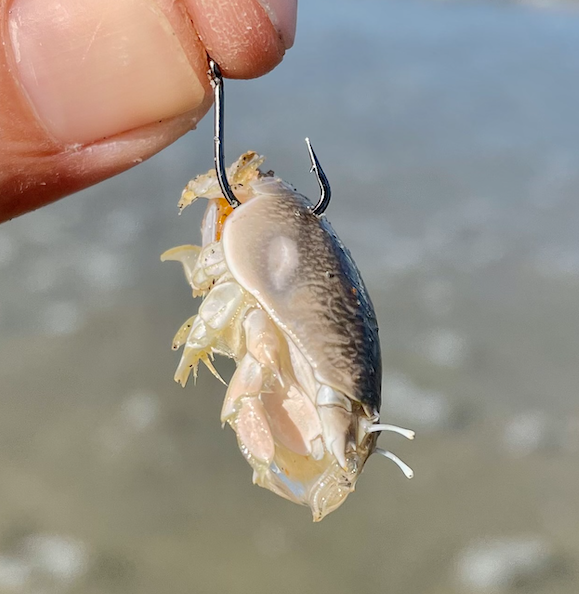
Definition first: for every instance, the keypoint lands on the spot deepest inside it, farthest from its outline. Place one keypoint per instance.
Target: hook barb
(219, 158)
(326, 192)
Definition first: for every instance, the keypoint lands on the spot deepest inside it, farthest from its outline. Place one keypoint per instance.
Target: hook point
(326, 192)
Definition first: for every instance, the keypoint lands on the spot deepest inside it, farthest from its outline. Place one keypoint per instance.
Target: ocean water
(449, 133)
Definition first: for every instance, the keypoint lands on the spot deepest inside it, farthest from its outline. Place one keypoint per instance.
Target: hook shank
(219, 157)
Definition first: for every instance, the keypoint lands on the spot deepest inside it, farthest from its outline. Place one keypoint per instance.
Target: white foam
(140, 410)
(444, 347)
(526, 433)
(424, 410)
(62, 318)
(64, 558)
(14, 574)
(490, 565)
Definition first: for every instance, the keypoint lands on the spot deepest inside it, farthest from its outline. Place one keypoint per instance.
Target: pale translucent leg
(292, 416)
(217, 312)
(336, 424)
(181, 336)
(253, 431)
(221, 305)
(197, 348)
(318, 449)
(210, 266)
(231, 342)
(246, 381)
(209, 224)
(262, 341)
(294, 420)
(336, 413)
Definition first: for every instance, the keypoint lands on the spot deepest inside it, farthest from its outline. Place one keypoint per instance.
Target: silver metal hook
(219, 157)
(326, 191)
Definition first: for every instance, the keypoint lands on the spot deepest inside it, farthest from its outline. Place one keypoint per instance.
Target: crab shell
(283, 297)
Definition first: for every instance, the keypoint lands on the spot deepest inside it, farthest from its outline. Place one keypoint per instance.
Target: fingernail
(283, 14)
(95, 68)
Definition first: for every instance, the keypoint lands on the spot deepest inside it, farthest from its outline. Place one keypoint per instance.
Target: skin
(39, 165)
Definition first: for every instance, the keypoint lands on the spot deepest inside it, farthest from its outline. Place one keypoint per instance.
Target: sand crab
(284, 299)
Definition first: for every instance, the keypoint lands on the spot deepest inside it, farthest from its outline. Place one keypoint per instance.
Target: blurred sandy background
(450, 134)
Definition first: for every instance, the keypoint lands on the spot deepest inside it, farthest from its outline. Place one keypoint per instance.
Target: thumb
(89, 88)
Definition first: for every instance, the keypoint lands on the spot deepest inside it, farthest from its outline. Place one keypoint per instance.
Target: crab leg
(336, 424)
(181, 335)
(262, 341)
(293, 418)
(253, 431)
(217, 312)
(336, 414)
(246, 381)
(210, 267)
(197, 348)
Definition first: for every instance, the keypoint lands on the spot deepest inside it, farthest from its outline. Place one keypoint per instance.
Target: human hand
(90, 88)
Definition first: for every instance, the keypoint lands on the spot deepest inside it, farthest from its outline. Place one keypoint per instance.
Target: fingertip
(88, 121)
(93, 69)
(239, 35)
(56, 173)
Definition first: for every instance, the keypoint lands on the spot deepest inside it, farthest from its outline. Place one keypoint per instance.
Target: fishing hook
(219, 156)
(218, 152)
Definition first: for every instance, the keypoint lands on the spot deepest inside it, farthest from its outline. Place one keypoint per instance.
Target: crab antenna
(217, 84)
(407, 433)
(326, 192)
(408, 472)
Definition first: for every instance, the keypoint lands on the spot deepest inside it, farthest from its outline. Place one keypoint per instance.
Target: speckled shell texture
(297, 268)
